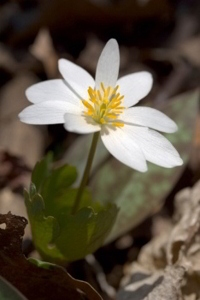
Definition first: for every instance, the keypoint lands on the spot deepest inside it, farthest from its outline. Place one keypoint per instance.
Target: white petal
(108, 65)
(123, 147)
(76, 78)
(156, 148)
(51, 90)
(48, 112)
(80, 124)
(149, 117)
(134, 87)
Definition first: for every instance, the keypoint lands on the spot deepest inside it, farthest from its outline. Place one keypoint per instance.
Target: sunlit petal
(51, 90)
(48, 112)
(149, 117)
(156, 148)
(77, 79)
(134, 87)
(108, 65)
(123, 147)
(80, 124)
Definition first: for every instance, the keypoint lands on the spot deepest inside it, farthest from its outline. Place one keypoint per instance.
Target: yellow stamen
(87, 105)
(99, 94)
(111, 116)
(102, 86)
(104, 105)
(118, 124)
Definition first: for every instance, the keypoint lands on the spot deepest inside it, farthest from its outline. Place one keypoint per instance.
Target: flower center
(104, 105)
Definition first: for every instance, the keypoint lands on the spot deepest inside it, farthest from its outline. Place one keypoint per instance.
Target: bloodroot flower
(85, 105)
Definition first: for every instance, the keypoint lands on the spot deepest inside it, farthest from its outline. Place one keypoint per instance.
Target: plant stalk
(86, 173)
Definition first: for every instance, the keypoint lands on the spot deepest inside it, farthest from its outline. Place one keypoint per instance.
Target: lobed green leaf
(58, 235)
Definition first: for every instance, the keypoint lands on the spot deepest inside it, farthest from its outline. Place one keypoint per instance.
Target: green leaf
(44, 229)
(8, 291)
(41, 171)
(138, 194)
(58, 235)
(57, 190)
(85, 231)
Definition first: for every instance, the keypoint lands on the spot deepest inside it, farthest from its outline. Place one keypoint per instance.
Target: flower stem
(86, 173)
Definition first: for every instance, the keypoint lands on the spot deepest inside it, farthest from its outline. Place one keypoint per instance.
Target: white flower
(85, 105)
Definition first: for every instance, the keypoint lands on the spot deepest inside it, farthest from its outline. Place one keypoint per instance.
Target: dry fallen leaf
(168, 266)
(187, 228)
(170, 287)
(44, 51)
(45, 282)
(15, 202)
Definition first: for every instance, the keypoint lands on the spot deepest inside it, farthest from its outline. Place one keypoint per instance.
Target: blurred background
(160, 36)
